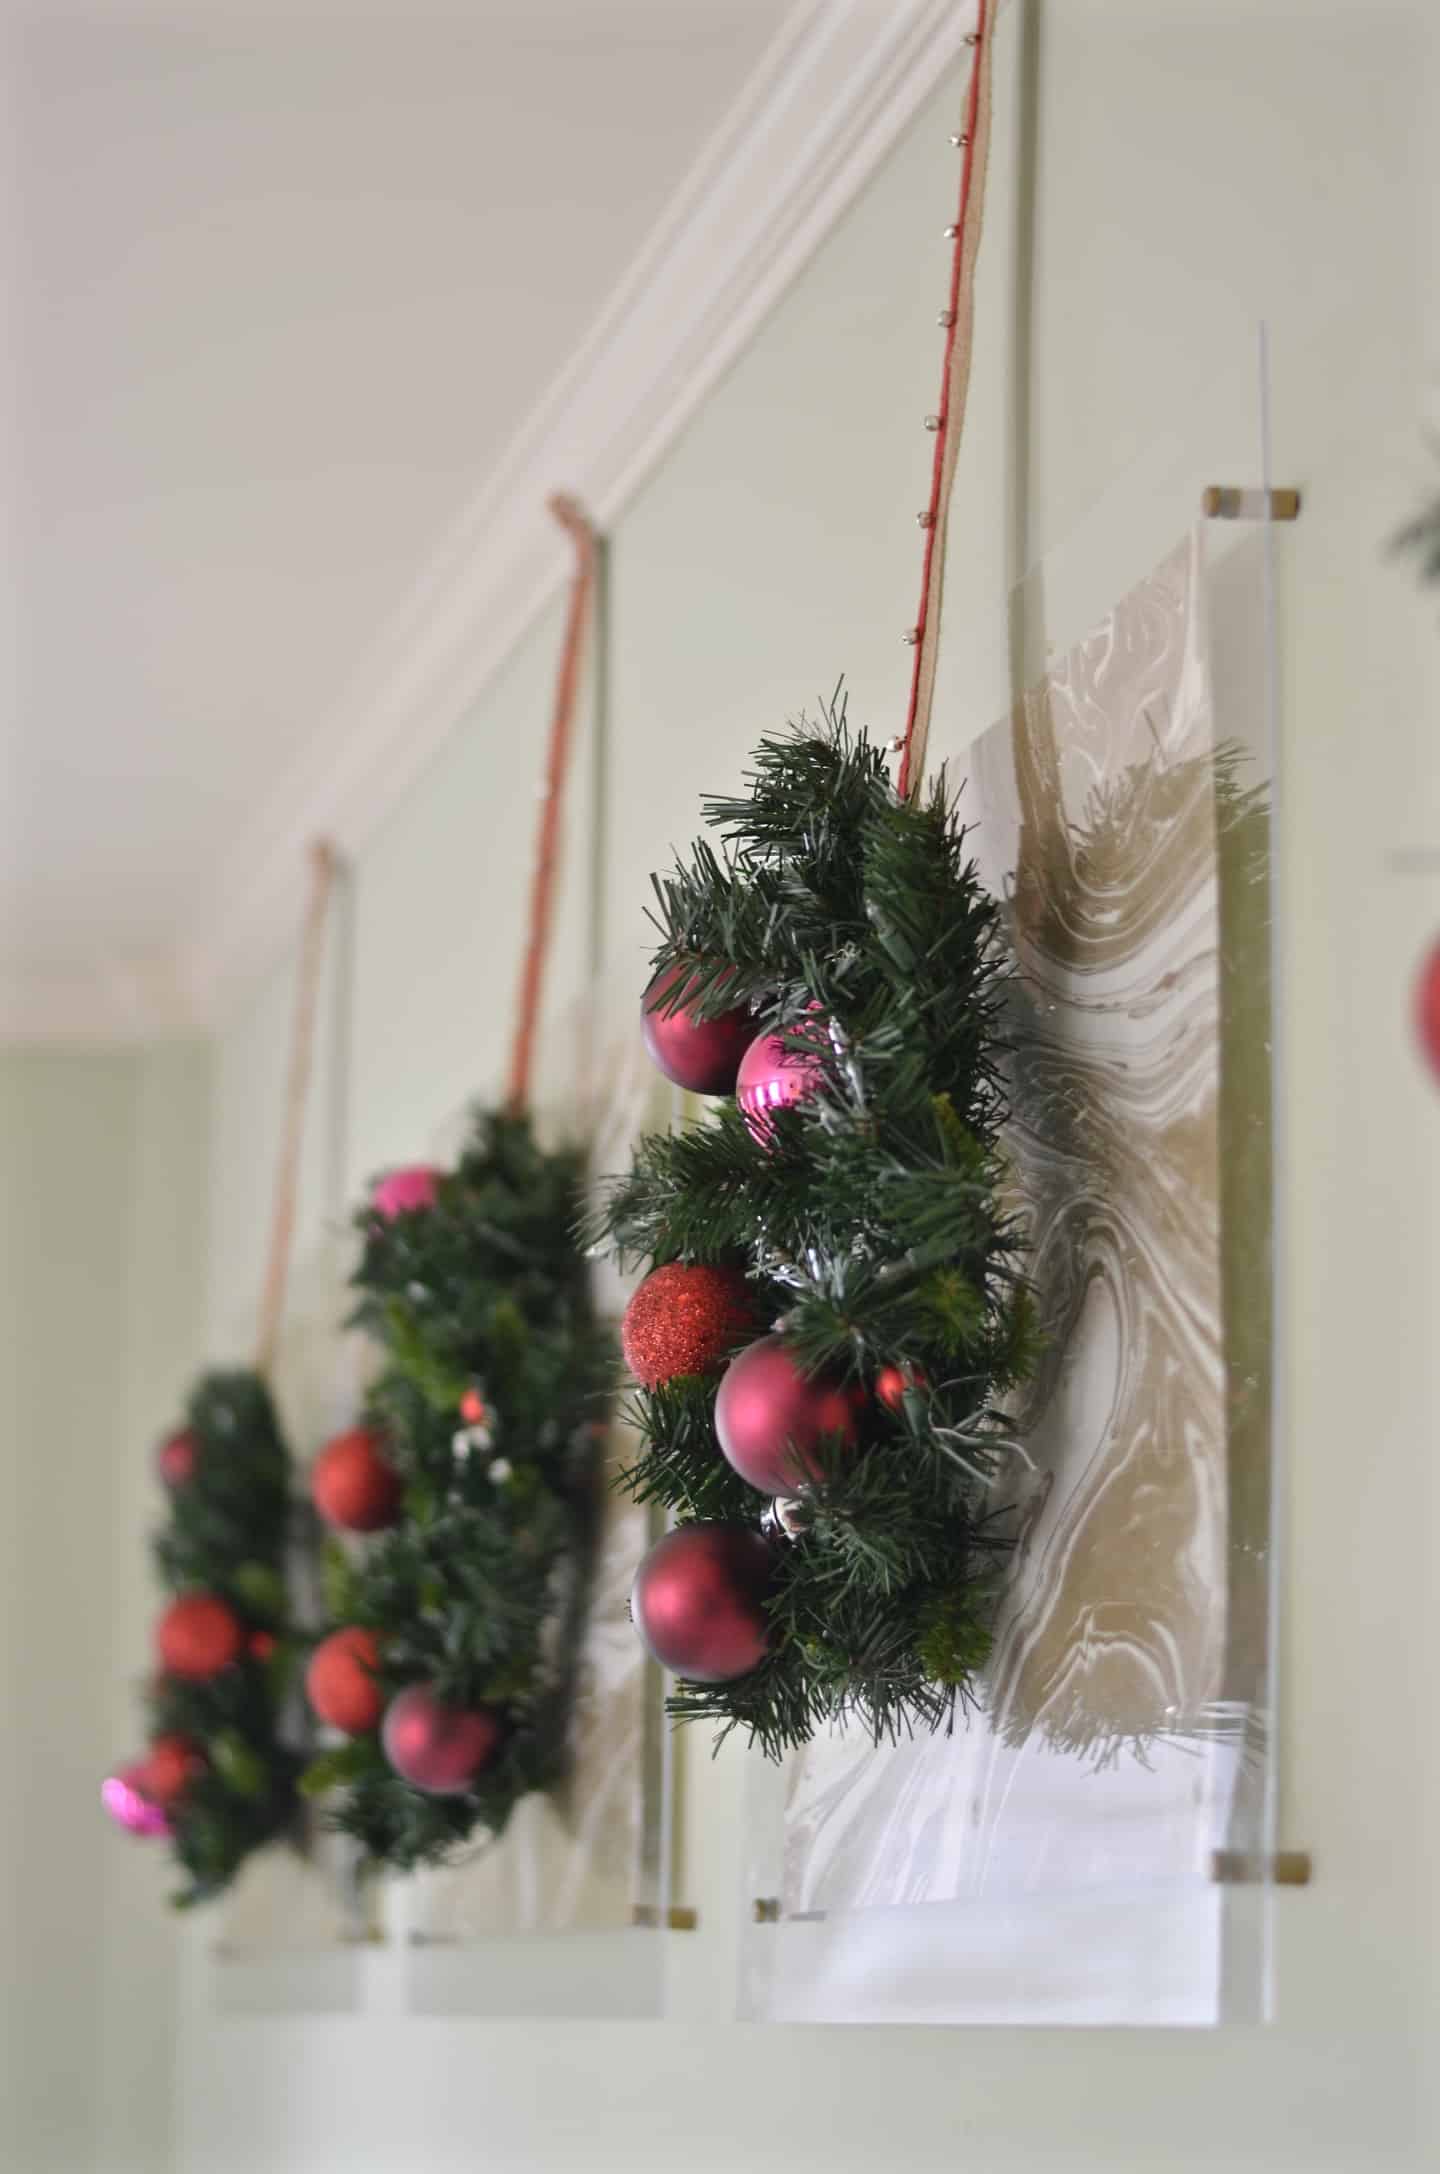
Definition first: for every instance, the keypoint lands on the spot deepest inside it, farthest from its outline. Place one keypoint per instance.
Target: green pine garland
(479, 1590)
(1421, 539)
(871, 1224)
(226, 1534)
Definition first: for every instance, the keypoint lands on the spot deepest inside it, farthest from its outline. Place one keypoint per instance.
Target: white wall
(101, 1160)
(1199, 166)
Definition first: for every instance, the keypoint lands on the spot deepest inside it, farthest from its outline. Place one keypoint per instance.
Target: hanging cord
(287, 1175)
(542, 887)
(958, 319)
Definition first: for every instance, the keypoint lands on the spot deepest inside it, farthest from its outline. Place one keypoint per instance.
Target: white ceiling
(289, 277)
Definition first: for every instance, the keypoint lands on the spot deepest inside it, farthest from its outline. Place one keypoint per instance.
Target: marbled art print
(1120, 1713)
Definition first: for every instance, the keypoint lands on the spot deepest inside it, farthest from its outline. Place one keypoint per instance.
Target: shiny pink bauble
(701, 1054)
(400, 1192)
(438, 1748)
(127, 1804)
(698, 1601)
(771, 1416)
(1427, 1008)
(771, 1078)
(177, 1458)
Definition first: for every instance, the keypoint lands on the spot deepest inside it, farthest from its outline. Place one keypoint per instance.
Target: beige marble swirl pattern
(1101, 798)
(1103, 1755)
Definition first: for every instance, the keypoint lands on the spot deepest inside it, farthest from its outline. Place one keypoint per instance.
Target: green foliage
(1421, 539)
(855, 925)
(346, 1764)
(227, 1533)
(479, 1590)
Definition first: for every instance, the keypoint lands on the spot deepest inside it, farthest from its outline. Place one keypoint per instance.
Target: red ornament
(401, 1192)
(352, 1486)
(473, 1408)
(892, 1382)
(169, 1768)
(261, 1645)
(771, 1416)
(177, 1458)
(698, 1601)
(1427, 1008)
(198, 1636)
(701, 1054)
(772, 1078)
(435, 1747)
(340, 1680)
(685, 1319)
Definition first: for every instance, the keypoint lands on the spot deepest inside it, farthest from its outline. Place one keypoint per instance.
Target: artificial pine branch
(870, 1221)
(479, 1590)
(1421, 539)
(227, 1534)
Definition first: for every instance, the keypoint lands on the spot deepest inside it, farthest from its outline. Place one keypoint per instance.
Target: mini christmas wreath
(455, 1629)
(836, 1306)
(219, 1778)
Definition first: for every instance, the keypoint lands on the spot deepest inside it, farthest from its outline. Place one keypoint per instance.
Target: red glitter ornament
(177, 1458)
(892, 1382)
(352, 1486)
(473, 1408)
(1427, 1008)
(771, 1416)
(685, 1319)
(340, 1680)
(435, 1747)
(169, 1768)
(701, 1054)
(698, 1601)
(772, 1078)
(198, 1636)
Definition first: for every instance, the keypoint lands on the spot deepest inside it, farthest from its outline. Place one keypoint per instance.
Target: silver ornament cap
(787, 1516)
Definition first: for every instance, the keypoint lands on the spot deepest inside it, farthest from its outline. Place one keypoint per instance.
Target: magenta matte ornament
(772, 1077)
(771, 1416)
(438, 1748)
(701, 1054)
(401, 1192)
(177, 1458)
(129, 1807)
(1427, 1007)
(698, 1601)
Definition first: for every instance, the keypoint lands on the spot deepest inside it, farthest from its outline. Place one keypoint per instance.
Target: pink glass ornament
(400, 1192)
(129, 1807)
